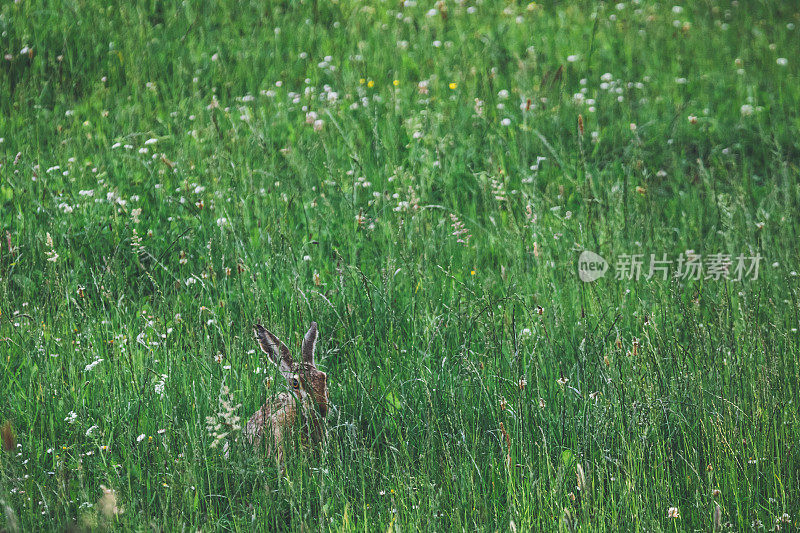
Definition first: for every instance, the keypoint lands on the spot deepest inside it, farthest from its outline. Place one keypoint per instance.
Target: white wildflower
(90, 366)
(52, 256)
(160, 385)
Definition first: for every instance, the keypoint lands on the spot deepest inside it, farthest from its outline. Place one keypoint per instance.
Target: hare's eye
(295, 383)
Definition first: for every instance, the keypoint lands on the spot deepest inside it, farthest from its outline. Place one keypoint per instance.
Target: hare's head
(302, 377)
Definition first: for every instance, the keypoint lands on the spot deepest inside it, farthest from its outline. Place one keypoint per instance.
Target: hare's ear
(277, 352)
(309, 343)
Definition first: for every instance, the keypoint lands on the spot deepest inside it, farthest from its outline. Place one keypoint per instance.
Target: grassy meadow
(420, 179)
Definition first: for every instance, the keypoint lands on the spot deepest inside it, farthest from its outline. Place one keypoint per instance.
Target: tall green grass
(471, 380)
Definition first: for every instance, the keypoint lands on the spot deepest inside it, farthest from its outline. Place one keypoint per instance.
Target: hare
(300, 408)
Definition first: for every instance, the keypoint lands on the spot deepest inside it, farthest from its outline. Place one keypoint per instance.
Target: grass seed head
(581, 478)
(8, 436)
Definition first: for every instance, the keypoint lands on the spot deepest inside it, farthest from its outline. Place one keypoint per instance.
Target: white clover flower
(72, 416)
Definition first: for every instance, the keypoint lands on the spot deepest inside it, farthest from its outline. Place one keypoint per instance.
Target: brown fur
(301, 408)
